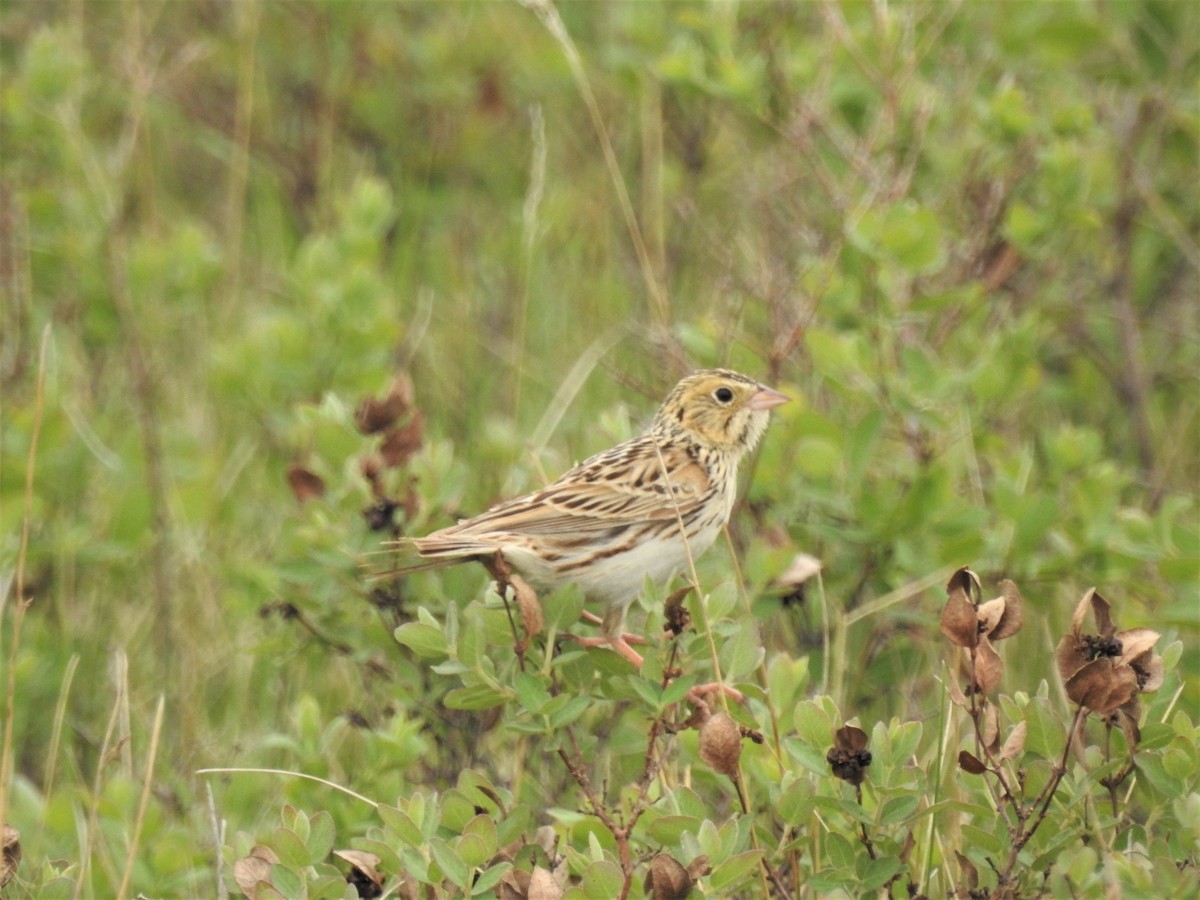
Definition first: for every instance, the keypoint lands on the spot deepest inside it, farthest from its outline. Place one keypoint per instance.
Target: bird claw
(620, 643)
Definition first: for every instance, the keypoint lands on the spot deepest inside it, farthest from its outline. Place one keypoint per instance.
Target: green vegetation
(962, 236)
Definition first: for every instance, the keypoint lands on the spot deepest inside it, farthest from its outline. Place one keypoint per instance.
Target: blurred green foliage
(962, 236)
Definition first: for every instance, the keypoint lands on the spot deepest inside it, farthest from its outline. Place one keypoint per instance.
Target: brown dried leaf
(1150, 672)
(803, 567)
(990, 728)
(1135, 642)
(1014, 612)
(667, 879)
(514, 885)
(12, 854)
(848, 737)
(1101, 686)
(305, 485)
(543, 886)
(989, 615)
(1071, 655)
(255, 869)
(528, 604)
(989, 668)
(721, 743)
(1014, 744)
(907, 847)
(970, 873)
(698, 868)
(1101, 611)
(675, 613)
(957, 697)
(960, 623)
(969, 762)
(401, 443)
(373, 416)
(1127, 717)
(1081, 611)
(364, 873)
(966, 581)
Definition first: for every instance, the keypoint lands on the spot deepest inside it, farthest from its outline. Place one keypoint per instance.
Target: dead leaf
(543, 886)
(364, 875)
(305, 485)
(969, 762)
(373, 416)
(970, 873)
(1135, 642)
(1014, 744)
(989, 668)
(528, 604)
(255, 869)
(1101, 686)
(960, 622)
(677, 616)
(803, 567)
(990, 728)
(966, 581)
(399, 444)
(1014, 612)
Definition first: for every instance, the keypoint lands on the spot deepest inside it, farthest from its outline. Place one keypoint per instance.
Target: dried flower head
(1106, 671)
(849, 756)
(974, 625)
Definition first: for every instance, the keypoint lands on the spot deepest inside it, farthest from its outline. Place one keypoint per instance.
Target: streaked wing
(628, 484)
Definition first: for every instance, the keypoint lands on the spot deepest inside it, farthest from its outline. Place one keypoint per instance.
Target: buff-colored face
(721, 409)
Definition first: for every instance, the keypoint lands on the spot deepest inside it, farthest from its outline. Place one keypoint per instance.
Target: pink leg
(620, 643)
(696, 695)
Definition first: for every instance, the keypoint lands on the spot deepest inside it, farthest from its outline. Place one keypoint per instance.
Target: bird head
(720, 409)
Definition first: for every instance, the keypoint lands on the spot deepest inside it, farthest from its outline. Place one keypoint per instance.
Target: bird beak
(765, 398)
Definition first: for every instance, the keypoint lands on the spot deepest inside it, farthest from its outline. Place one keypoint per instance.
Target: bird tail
(432, 552)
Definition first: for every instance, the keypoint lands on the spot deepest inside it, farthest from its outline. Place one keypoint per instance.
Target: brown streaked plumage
(614, 519)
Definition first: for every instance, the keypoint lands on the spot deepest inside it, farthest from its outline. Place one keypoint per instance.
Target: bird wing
(629, 484)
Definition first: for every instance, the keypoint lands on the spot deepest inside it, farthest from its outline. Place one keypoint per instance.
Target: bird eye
(723, 394)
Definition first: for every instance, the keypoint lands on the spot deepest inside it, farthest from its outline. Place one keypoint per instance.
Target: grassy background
(963, 237)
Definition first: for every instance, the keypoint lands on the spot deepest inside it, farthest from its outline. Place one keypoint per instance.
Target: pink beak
(765, 398)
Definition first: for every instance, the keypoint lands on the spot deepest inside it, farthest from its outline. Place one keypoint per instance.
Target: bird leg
(619, 643)
(614, 635)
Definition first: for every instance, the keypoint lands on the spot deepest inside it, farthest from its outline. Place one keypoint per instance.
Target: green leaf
(472, 850)
(574, 708)
(912, 235)
(734, 869)
(796, 802)
(289, 847)
(286, 881)
(878, 872)
(479, 696)
(485, 884)
(427, 641)
(669, 829)
(531, 692)
(602, 880)
(448, 861)
(321, 836)
(677, 689)
(813, 725)
(483, 827)
(898, 809)
(399, 823)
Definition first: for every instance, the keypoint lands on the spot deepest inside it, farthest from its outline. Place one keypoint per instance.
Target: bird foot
(697, 694)
(619, 643)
